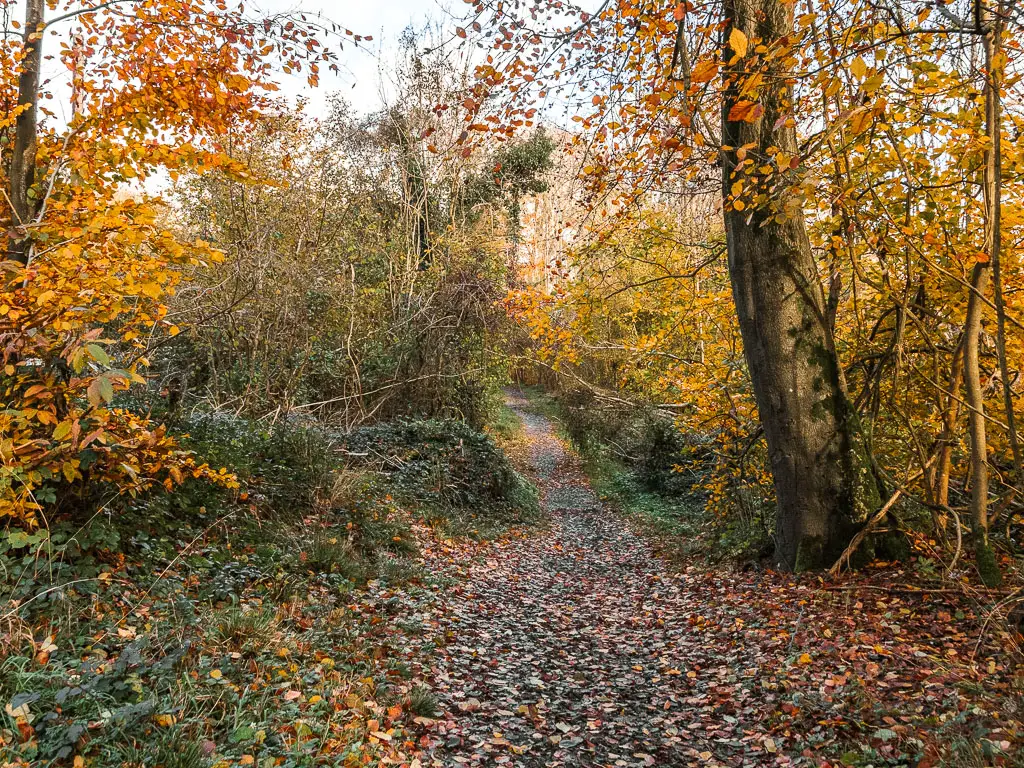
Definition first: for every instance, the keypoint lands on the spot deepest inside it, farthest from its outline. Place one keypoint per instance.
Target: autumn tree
(154, 88)
(848, 133)
(822, 473)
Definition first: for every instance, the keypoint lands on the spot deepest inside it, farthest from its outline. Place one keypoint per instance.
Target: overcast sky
(384, 20)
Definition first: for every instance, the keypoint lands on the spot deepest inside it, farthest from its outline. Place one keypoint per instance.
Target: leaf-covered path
(573, 646)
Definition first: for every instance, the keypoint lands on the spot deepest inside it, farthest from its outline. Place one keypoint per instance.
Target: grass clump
(423, 702)
(241, 630)
(330, 554)
(170, 750)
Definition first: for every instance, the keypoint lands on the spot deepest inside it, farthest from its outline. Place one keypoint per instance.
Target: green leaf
(18, 539)
(100, 390)
(106, 389)
(99, 354)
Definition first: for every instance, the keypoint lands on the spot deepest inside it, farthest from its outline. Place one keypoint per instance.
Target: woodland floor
(573, 642)
(576, 645)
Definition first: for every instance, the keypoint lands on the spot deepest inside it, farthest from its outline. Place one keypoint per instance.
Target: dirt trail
(569, 647)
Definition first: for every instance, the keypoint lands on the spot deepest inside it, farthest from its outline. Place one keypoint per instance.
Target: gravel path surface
(573, 645)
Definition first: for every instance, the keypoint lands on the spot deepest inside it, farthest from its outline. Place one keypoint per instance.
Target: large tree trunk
(823, 480)
(21, 173)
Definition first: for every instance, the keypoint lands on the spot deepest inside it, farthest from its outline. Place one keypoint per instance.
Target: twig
(863, 532)
(873, 521)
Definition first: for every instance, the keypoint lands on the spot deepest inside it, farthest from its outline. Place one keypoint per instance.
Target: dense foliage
(890, 152)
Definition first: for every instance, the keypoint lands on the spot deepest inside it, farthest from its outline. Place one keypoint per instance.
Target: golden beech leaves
(738, 42)
(881, 152)
(157, 87)
(747, 111)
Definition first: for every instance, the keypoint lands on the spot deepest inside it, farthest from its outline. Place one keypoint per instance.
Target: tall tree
(823, 480)
(157, 88)
(990, 26)
(23, 152)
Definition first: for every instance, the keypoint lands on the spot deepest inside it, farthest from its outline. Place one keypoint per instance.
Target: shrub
(287, 468)
(445, 466)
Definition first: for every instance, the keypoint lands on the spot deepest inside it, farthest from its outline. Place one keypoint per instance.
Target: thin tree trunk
(950, 411)
(996, 136)
(986, 561)
(823, 479)
(23, 154)
(976, 421)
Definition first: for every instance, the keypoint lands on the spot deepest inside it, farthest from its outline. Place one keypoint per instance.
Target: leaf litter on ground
(576, 645)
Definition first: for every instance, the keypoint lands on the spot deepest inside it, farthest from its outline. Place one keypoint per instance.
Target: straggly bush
(664, 459)
(286, 468)
(445, 466)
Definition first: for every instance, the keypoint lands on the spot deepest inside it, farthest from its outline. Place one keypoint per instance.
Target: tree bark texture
(823, 480)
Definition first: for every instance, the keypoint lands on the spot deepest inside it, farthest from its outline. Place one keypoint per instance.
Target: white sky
(359, 80)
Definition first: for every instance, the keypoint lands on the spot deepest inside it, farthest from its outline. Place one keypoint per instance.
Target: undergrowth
(640, 464)
(272, 626)
(458, 479)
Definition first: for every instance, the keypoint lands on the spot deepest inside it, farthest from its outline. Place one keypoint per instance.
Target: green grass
(678, 526)
(505, 425)
(423, 702)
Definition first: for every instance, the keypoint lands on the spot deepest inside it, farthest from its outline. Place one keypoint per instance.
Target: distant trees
(364, 276)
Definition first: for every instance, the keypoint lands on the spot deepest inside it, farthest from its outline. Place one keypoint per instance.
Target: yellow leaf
(873, 83)
(738, 42)
(860, 121)
(805, 658)
(704, 71)
(153, 290)
(858, 68)
(216, 674)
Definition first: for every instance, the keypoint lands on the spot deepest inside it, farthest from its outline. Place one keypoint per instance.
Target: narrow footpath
(574, 647)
